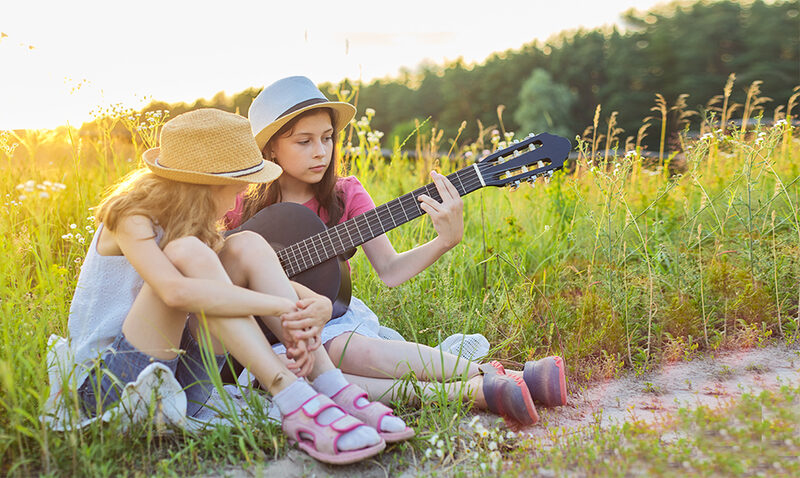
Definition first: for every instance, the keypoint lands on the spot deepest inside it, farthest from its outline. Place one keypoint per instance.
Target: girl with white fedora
(159, 274)
(296, 126)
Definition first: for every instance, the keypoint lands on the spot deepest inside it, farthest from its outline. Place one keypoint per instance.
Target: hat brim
(342, 114)
(267, 174)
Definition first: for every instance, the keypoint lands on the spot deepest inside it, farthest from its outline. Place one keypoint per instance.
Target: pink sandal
(507, 395)
(371, 414)
(322, 444)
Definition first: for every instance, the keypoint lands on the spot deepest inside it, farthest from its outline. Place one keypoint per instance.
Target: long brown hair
(181, 209)
(328, 198)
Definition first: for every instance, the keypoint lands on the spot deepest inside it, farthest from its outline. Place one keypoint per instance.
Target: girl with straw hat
(296, 126)
(161, 287)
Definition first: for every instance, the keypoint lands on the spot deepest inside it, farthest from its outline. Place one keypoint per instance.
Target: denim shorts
(122, 362)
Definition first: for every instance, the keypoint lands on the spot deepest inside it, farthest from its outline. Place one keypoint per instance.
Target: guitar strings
(291, 256)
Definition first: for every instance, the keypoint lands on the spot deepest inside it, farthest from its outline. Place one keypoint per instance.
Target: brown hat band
(303, 104)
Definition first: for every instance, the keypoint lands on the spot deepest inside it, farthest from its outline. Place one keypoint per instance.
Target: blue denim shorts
(123, 362)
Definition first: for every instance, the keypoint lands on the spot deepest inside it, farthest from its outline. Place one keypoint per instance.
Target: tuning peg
(532, 182)
(540, 164)
(513, 186)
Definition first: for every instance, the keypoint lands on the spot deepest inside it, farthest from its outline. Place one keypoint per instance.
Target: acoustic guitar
(314, 254)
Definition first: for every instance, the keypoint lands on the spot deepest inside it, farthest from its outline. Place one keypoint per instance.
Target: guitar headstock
(535, 156)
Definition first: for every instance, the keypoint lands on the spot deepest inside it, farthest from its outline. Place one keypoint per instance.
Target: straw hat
(210, 146)
(283, 100)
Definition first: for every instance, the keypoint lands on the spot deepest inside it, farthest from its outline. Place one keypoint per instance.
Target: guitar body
(284, 224)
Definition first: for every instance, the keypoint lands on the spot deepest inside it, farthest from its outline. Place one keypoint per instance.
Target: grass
(619, 263)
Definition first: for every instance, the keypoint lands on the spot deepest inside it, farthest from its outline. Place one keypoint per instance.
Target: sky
(61, 61)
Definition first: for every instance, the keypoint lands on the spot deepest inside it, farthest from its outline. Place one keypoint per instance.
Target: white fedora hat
(283, 100)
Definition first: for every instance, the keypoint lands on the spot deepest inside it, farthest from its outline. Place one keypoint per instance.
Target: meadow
(621, 262)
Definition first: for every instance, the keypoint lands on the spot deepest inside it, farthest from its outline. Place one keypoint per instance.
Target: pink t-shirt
(356, 201)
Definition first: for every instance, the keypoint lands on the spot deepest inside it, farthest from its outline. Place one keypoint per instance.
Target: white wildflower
(493, 445)
(428, 453)
(370, 112)
(439, 453)
(22, 197)
(44, 195)
(73, 226)
(433, 439)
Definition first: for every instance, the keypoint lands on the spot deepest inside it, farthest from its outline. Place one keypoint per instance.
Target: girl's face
(225, 196)
(305, 153)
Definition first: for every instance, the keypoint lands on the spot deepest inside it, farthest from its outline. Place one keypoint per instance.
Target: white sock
(292, 397)
(332, 381)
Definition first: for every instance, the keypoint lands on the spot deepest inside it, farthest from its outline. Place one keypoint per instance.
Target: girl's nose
(319, 149)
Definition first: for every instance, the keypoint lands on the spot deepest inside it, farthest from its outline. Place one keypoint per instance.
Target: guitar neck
(347, 235)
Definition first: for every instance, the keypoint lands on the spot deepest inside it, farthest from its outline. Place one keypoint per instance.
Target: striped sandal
(320, 441)
(371, 414)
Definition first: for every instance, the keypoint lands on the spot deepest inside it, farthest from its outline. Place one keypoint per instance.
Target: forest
(683, 51)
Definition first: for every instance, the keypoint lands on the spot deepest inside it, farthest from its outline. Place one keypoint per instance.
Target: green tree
(544, 105)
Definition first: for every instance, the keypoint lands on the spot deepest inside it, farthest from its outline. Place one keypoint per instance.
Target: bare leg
(155, 328)
(245, 257)
(388, 390)
(370, 357)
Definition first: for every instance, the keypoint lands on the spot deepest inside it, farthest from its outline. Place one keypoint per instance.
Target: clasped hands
(303, 328)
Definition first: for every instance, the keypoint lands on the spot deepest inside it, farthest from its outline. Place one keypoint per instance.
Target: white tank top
(107, 287)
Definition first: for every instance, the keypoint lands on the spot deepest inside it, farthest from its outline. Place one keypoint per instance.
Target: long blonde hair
(181, 209)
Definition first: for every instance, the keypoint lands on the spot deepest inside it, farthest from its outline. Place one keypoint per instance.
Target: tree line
(556, 85)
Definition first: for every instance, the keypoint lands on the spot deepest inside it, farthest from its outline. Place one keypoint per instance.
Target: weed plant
(621, 261)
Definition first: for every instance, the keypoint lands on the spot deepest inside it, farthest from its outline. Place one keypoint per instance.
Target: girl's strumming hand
(448, 215)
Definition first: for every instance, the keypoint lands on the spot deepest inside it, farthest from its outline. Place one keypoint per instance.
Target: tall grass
(621, 261)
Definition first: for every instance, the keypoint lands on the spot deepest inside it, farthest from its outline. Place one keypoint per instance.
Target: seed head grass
(621, 262)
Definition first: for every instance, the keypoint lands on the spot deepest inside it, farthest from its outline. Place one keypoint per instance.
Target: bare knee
(190, 253)
(352, 348)
(245, 251)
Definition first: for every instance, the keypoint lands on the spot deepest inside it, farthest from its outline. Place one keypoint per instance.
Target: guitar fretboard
(342, 237)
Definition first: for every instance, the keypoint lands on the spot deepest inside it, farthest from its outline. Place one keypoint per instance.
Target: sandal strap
(371, 414)
(324, 437)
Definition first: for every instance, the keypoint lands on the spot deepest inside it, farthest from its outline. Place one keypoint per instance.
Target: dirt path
(712, 381)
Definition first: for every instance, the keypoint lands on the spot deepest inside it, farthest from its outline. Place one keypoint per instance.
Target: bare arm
(448, 220)
(134, 236)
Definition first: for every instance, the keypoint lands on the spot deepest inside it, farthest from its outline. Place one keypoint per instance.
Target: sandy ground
(712, 381)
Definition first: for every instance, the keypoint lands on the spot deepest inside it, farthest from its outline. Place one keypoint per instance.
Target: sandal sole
(394, 437)
(342, 457)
